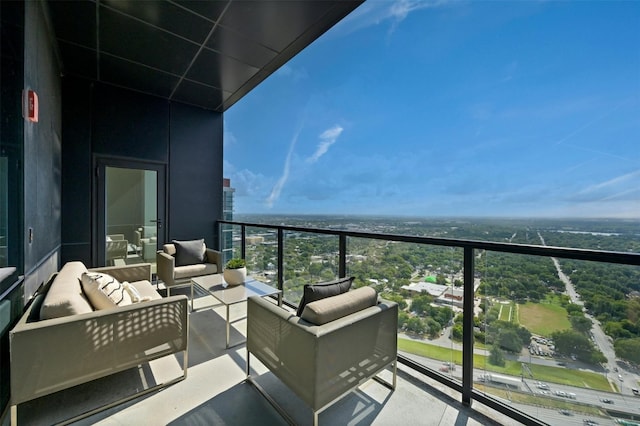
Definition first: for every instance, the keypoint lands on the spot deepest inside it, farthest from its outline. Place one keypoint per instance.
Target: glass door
(131, 212)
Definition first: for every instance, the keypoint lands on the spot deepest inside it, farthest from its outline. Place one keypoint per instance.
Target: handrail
(625, 258)
(468, 246)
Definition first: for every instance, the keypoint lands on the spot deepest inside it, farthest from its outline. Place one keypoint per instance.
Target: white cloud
(277, 188)
(228, 138)
(295, 74)
(327, 138)
(616, 191)
(376, 12)
(615, 182)
(245, 182)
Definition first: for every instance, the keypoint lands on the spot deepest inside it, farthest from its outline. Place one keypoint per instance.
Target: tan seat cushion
(197, 270)
(65, 295)
(334, 307)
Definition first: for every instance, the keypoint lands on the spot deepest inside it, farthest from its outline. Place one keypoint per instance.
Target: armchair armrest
(166, 265)
(130, 273)
(214, 256)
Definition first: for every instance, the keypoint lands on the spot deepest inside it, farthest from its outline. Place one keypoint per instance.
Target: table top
(228, 294)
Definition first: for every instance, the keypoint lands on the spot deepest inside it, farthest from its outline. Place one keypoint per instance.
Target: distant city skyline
(446, 108)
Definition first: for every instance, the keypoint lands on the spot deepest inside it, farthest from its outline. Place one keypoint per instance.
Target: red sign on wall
(30, 105)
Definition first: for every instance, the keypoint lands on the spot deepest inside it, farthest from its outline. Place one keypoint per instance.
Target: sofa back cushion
(104, 291)
(189, 252)
(65, 295)
(311, 293)
(334, 307)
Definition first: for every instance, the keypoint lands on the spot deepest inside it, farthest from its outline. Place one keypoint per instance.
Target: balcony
(215, 391)
(538, 381)
(457, 384)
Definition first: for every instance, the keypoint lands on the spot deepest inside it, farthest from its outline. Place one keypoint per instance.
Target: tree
(434, 327)
(580, 323)
(402, 304)
(416, 325)
(571, 342)
(496, 356)
(508, 335)
(510, 340)
(456, 331)
(573, 309)
(628, 349)
(421, 304)
(403, 317)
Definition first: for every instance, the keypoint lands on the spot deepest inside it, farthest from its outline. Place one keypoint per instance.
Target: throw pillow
(189, 252)
(135, 295)
(331, 308)
(104, 291)
(314, 292)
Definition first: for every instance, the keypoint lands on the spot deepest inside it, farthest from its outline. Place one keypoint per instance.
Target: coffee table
(231, 295)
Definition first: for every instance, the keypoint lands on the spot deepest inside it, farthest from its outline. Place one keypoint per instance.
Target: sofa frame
(321, 363)
(50, 355)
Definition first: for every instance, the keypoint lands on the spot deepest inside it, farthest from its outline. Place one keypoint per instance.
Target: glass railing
(500, 322)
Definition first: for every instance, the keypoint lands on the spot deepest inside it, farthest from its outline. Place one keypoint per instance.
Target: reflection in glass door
(131, 231)
(130, 212)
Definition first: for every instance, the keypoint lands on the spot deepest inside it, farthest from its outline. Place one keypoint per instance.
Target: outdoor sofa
(63, 341)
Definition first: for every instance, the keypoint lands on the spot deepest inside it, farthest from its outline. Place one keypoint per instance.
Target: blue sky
(440, 108)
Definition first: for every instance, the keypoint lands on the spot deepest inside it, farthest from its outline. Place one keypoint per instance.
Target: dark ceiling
(204, 53)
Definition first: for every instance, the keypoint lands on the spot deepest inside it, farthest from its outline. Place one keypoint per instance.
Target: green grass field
(540, 372)
(543, 318)
(507, 312)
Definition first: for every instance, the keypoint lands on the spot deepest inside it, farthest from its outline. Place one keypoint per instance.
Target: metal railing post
(467, 327)
(243, 241)
(342, 256)
(280, 259)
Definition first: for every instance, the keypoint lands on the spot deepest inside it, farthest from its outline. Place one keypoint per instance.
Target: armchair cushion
(314, 292)
(334, 307)
(189, 252)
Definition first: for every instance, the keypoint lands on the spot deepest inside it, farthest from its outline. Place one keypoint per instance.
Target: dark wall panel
(76, 170)
(129, 124)
(11, 129)
(195, 174)
(42, 142)
(101, 120)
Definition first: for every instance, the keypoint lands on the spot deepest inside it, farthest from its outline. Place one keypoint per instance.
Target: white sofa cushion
(65, 296)
(104, 291)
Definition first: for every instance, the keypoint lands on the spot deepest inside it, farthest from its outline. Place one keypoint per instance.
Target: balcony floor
(215, 392)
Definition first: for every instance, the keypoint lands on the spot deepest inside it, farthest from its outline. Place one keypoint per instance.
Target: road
(549, 415)
(600, 339)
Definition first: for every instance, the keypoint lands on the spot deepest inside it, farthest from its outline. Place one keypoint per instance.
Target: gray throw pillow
(189, 252)
(314, 292)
